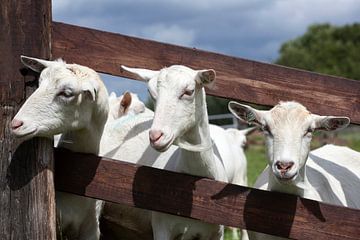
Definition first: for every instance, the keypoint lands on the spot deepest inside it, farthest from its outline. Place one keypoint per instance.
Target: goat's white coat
(333, 175)
(71, 99)
(330, 174)
(126, 138)
(181, 116)
(228, 144)
(186, 124)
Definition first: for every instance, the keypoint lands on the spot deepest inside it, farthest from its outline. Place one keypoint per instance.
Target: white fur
(329, 174)
(228, 143)
(72, 100)
(117, 110)
(181, 115)
(126, 138)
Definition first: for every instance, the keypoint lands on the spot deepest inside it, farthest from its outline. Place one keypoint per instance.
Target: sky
(252, 29)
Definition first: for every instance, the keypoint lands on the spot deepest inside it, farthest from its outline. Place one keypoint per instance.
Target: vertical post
(27, 204)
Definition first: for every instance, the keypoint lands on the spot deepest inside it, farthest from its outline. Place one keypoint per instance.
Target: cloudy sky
(253, 29)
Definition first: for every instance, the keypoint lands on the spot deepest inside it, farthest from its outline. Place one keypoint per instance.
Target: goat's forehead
(294, 115)
(57, 76)
(61, 74)
(176, 75)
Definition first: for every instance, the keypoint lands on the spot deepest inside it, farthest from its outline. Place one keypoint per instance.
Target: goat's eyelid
(266, 130)
(66, 92)
(187, 93)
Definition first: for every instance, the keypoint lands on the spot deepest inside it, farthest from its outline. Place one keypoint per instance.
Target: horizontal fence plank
(237, 78)
(204, 199)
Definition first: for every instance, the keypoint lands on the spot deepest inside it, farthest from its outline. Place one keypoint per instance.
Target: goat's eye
(187, 93)
(266, 130)
(309, 132)
(152, 95)
(66, 94)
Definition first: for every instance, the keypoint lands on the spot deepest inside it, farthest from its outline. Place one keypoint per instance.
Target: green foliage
(217, 105)
(150, 104)
(325, 49)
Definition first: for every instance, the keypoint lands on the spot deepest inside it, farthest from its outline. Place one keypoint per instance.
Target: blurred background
(316, 35)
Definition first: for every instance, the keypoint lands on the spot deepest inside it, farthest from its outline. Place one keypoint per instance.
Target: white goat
(126, 138)
(127, 115)
(181, 118)
(71, 99)
(128, 103)
(228, 144)
(329, 174)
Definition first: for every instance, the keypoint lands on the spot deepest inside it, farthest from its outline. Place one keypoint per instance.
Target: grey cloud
(239, 28)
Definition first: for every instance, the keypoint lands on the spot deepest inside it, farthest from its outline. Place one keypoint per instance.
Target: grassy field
(256, 151)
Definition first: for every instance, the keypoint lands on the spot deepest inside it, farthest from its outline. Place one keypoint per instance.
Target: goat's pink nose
(284, 166)
(16, 124)
(155, 135)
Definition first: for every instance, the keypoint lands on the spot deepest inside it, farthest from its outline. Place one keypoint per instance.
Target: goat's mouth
(163, 143)
(287, 178)
(25, 133)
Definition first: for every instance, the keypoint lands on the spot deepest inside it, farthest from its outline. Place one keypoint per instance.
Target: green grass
(227, 234)
(352, 138)
(256, 156)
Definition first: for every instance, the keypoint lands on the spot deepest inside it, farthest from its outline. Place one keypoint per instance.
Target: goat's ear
(152, 88)
(206, 77)
(248, 131)
(89, 88)
(330, 123)
(35, 64)
(246, 113)
(144, 74)
(112, 96)
(125, 101)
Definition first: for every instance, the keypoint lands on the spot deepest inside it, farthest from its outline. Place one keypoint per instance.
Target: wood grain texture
(204, 199)
(27, 204)
(237, 78)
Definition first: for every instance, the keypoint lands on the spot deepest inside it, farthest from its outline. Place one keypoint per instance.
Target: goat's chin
(162, 146)
(287, 179)
(25, 134)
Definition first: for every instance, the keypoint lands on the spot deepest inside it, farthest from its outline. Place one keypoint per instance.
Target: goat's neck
(201, 163)
(300, 186)
(86, 140)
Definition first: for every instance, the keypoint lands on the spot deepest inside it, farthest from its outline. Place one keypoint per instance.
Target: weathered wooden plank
(204, 199)
(27, 205)
(237, 78)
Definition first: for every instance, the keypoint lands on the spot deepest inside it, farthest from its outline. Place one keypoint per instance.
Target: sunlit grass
(256, 156)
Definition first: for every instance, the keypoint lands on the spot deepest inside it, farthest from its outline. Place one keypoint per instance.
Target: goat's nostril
(284, 166)
(155, 135)
(16, 124)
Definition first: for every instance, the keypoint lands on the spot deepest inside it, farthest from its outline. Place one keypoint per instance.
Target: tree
(325, 49)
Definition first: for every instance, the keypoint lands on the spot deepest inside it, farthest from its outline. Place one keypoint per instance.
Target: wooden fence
(27, 201)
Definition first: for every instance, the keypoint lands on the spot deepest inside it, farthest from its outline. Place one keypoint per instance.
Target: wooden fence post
(27, 203)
